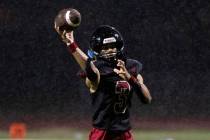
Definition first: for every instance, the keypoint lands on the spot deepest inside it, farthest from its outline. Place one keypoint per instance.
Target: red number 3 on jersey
(122, 90)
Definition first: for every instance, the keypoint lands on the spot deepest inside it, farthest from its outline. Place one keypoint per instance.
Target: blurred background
(39, 85)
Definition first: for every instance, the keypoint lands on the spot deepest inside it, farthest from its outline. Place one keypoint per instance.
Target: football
(67, 19)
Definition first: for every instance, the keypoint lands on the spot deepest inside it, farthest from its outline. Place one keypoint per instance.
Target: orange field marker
(17, 130)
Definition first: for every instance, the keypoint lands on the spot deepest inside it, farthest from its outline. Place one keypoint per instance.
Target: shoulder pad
(134, 66)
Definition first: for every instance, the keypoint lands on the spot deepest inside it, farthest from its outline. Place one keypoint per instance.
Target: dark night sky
(170, 38)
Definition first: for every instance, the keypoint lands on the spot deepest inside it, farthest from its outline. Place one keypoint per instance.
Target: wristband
(72, 47)
(133, 80)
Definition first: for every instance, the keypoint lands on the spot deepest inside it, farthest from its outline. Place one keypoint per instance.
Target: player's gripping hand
(121, 70)
(67, 37)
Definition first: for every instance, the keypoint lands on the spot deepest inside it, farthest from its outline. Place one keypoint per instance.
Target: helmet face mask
(106, 42)
(108, 52)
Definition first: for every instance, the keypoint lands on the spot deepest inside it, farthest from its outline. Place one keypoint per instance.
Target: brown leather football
(67, 19)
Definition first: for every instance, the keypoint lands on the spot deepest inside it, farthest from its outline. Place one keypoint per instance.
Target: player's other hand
(121, 70)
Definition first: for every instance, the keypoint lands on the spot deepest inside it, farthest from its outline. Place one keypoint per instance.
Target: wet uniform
(112, 100)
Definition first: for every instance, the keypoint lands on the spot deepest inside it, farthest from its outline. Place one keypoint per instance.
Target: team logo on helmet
(109, 40)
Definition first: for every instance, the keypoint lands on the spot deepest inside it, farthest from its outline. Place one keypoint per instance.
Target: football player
(111, 78)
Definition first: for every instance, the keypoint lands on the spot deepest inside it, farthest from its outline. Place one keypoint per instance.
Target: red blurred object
(17, 130)
(81, 74)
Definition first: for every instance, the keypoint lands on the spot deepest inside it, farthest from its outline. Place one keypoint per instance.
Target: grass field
(70, 134)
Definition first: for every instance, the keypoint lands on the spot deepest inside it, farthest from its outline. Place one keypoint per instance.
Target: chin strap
(119, 55)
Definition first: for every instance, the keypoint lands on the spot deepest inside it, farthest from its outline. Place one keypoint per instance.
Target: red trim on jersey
(82, 74)
(98, 134)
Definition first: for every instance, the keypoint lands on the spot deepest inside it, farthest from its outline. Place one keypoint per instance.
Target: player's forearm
(78, 55)
(141, 90)
(146, 94)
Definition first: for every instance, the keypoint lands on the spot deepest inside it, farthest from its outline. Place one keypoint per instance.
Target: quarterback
(112, 78)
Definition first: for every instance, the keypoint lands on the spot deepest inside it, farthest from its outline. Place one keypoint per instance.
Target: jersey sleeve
(134, 67)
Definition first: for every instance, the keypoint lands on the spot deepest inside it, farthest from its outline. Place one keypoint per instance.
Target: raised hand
(121, 70)
(67, 37)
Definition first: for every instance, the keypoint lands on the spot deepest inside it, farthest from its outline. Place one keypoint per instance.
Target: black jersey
(112, 100)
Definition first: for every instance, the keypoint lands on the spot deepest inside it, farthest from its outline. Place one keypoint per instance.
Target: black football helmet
(106, 36)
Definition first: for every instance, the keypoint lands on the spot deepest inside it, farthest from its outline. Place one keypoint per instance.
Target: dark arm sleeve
(92, 76)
